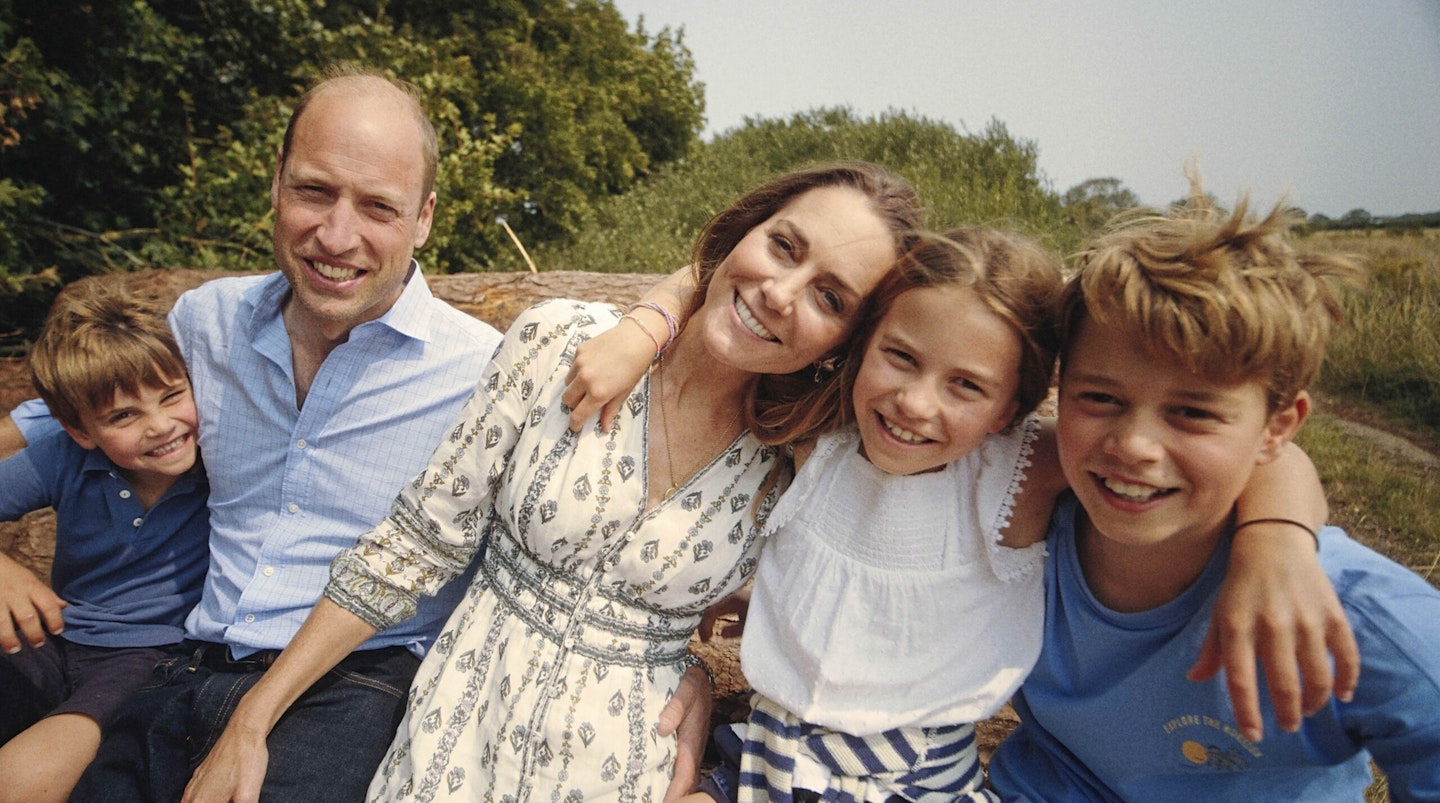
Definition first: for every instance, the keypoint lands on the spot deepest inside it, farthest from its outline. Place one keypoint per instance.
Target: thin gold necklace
(665, 431)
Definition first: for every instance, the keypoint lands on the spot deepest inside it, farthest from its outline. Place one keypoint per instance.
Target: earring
(823, 369)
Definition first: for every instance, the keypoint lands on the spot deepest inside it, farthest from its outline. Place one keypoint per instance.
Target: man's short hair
(341, 71)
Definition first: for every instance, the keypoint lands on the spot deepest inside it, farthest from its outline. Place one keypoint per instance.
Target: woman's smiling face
(791, 290)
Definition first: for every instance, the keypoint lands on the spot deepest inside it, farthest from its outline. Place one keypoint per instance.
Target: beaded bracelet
(690, 659)
(1301, 525)
(671, 325)
(653, 339)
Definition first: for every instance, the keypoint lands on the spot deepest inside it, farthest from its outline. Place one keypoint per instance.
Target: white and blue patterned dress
(549, 678)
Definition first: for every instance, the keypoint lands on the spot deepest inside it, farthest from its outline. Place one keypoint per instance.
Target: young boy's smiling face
(1155, 453)
(146, 434)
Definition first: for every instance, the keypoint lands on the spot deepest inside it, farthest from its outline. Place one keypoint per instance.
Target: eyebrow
(796, 233)
(1206, 396)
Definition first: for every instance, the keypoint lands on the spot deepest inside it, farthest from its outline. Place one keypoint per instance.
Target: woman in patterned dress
(599, 550)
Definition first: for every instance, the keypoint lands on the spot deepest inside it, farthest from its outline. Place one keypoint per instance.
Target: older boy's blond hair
(99, 340)
(1222, 294)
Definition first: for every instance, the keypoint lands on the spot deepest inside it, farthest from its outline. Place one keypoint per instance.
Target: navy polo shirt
(130, 575)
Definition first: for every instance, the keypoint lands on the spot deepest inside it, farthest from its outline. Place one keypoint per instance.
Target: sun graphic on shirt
(1195, 752)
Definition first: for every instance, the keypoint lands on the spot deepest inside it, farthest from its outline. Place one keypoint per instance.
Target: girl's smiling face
(939, 374)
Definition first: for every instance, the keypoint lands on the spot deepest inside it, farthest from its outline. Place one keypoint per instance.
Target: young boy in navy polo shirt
(132, 534)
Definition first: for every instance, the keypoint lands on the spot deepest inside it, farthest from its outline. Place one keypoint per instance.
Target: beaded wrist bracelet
(671, 325)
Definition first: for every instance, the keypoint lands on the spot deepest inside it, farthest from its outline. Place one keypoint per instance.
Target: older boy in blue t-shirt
(132, 534)
(1187, 343)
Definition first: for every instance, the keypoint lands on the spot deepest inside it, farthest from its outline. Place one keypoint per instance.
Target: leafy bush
(964, 178)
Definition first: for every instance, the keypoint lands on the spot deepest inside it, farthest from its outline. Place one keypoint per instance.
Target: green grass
(1387, 355)
(1382, 499)
(1385, 362)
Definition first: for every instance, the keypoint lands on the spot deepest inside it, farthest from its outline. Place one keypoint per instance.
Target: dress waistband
(584, 613)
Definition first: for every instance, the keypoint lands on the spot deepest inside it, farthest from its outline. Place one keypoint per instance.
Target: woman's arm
(1278, 604)
(608, 366)
(235, 767)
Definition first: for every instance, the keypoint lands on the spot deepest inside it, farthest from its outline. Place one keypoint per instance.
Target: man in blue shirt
(321, 390)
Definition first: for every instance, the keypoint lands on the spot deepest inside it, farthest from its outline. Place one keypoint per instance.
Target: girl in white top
(894, 603)
(898, 599)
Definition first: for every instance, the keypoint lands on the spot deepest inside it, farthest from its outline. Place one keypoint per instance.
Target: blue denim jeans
(325, 748)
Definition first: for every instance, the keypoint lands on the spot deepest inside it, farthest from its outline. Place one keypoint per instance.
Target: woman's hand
(606, 368)
(1277, 603)
(235, 767)
(234, 770)
(687, 715)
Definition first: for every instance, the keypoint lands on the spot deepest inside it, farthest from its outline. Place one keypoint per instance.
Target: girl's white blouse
(886, 601)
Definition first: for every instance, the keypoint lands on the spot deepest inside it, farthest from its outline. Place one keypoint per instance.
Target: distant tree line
(1359, 219)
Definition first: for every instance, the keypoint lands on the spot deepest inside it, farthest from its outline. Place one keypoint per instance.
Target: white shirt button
(269, 571)
(124, 493)
(138, 521)
(300, 444)
(294, 508)
(249, 617)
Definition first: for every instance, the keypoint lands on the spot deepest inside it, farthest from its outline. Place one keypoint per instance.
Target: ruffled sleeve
(1005, 458)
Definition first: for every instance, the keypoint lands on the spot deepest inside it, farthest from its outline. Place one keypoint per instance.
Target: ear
(275, 180)
(1006, 417)
(427, 216)
(80, 436)
(1282, 426)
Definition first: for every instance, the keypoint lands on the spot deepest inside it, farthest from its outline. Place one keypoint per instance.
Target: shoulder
(451, 324)
(52, 460)
(57, 449)
(217, 301)
(562, 319)
(1372, 585)
(227, 290)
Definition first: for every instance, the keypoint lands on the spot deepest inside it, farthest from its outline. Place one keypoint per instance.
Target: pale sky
(1336, 102)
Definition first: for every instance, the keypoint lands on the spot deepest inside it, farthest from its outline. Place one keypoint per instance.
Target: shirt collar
(97, 461)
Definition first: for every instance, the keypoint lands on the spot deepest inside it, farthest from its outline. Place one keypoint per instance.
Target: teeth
(168, 448)
(903, 435)
(335, 274)
(1131, 491)
(748, 318)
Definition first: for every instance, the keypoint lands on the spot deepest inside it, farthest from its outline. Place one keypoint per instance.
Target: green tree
(1356, 219)
(1093, 202)
(143, 133)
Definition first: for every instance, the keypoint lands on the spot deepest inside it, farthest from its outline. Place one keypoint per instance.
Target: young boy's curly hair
(99, 340)
(1224, 294)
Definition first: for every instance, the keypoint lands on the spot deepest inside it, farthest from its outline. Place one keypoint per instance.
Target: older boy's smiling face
(1153, 452)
